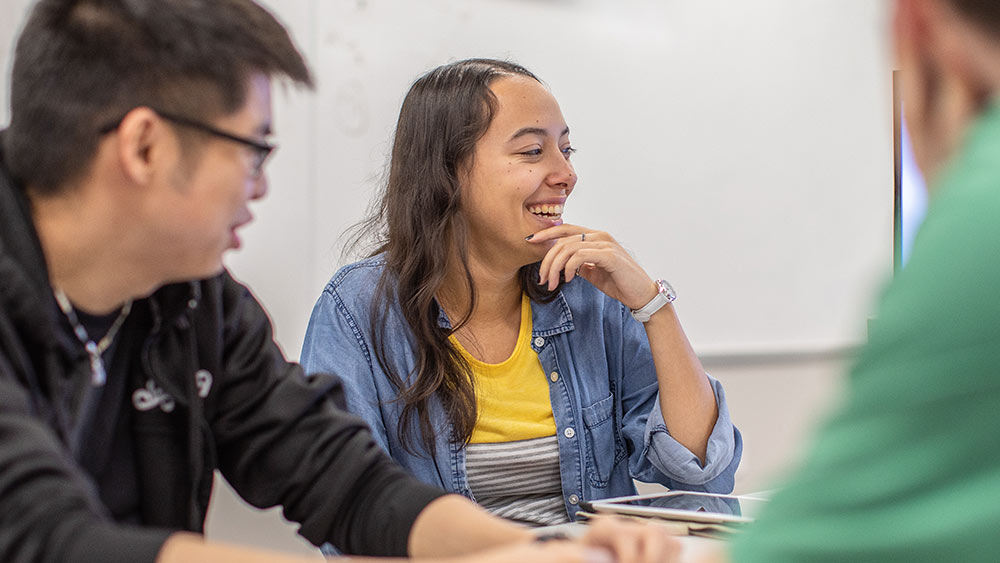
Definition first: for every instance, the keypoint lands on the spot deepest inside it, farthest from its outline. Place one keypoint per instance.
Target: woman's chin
(534, 257)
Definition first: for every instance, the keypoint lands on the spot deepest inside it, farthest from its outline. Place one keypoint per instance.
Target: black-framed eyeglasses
(261, 150)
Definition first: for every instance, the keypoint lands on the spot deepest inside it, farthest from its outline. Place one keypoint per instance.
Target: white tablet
(683, 505)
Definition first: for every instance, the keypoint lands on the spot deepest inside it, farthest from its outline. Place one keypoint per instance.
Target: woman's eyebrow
(534, 131)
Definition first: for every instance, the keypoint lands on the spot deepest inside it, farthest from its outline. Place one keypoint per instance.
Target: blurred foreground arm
(453, 529)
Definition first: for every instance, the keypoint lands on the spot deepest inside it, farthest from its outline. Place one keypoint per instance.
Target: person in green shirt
(908, 469)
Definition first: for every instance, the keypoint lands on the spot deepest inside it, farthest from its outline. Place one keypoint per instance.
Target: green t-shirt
(908, 469)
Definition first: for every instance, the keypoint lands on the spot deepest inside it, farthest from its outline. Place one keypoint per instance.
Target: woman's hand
(597, 257)
(687, 399)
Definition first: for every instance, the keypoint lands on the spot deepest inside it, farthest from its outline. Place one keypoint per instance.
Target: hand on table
(607, 540)
(631, 541)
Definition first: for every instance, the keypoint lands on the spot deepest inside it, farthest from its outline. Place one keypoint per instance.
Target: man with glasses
(131, 364)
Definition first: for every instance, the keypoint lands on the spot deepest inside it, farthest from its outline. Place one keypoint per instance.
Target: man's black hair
(80, 65)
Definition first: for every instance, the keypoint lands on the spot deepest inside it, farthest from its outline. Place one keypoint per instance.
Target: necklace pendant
(98, 375)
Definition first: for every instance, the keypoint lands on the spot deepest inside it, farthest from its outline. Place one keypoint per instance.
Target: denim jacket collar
(547, 319)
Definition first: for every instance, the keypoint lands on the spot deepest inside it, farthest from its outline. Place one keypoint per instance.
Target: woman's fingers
(567, 255)
(581, 263)
(565, 230)
(565, 238)
(597, 255)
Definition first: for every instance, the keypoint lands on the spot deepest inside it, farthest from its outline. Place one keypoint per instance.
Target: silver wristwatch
(664, 294)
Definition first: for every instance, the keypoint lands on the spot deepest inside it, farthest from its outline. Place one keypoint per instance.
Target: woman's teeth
(547, 210)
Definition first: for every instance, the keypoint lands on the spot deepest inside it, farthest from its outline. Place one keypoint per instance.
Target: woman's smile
(546, 214)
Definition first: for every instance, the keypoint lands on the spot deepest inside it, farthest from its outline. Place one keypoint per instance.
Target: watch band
(664, 294)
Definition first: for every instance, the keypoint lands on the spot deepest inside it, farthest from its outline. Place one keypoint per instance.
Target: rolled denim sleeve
(722, 457)
(657, 457)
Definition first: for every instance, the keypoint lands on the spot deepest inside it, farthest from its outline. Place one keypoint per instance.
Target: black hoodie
(209, 390)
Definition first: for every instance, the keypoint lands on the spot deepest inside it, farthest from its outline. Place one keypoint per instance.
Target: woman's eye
(532, 152)
(568, 151)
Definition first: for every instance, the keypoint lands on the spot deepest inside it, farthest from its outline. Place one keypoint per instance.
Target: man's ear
(912, 45)
(142, 139)
(945, 77)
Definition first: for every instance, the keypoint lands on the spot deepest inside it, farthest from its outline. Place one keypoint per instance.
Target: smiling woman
(468, 341)
(515, 183)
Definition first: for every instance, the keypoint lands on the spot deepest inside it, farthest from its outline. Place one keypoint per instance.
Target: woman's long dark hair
(417, 223)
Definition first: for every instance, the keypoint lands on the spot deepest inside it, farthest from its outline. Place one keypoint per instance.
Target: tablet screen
(686, 505)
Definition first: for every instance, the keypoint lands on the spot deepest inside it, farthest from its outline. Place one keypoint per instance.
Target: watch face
(666, 290)
(665, 294)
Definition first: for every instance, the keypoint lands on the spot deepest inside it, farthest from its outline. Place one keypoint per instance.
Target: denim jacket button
(569, 432)
(554, 376)
(539, 342)
(573, 499)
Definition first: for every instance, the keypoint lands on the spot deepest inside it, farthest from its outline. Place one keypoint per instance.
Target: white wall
(12, 14)
(741, 149)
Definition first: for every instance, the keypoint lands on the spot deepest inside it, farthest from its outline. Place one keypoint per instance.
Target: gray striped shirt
(518, 480)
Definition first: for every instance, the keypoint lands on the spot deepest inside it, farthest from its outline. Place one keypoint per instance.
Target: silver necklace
(98, 375)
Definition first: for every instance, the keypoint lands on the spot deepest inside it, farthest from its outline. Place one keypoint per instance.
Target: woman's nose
(563, 174)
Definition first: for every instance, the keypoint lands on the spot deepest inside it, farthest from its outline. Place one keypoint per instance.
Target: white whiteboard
(742, 150)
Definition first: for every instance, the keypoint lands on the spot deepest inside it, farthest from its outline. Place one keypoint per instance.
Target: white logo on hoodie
(151, 396)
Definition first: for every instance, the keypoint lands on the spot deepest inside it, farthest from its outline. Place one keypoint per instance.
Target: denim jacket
(602, 385)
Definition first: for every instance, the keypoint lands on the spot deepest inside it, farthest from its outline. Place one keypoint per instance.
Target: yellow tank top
(512, 397)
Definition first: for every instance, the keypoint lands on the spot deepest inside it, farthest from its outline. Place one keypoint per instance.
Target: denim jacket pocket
(604, 448)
